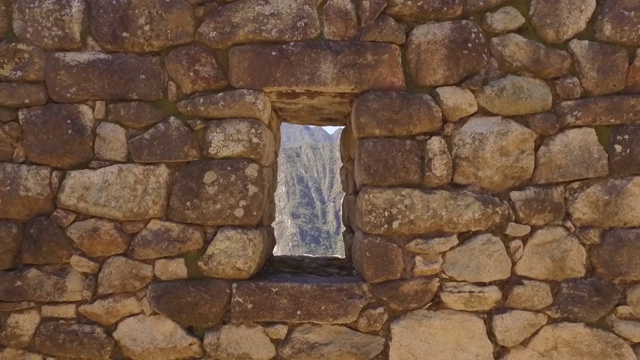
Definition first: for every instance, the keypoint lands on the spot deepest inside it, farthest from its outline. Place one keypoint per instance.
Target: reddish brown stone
(567, 88)
(19, 95)
(340, 20)
(21, 62)
(388, 162)
(9, 137)
(617, 257)
(58, 135)
(619, 22)
(254, 21)
(633, 77)
(408, 10)
(141, 26)
(384, 29)
(7, 115)
(99, 237)
(369, 10)
(394, 114)
(50, 24)
(195, 69)
(45, 243)
(321, 300)
(624, 150)
(377, 259)
(10, 243)
(25, 191)
(201, 303)
(168, 141)
(611, 110)
(403, 295)
(355, 67)
(543, 123)
(59, 338)
(135, 114)
(219, 192)
(75, 77)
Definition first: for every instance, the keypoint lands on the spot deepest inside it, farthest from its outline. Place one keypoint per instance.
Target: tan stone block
(235, 253)
(195, 69)
(388, 162)
(558, 20)
(240, 138)
(602, 68)
(407, 10)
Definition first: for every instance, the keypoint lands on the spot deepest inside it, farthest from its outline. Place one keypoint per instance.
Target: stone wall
(491, 165)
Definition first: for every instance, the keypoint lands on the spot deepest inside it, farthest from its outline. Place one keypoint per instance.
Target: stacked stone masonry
(491, 170)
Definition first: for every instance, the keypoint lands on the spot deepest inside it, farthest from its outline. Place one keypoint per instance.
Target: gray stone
(552, 254)
(169, 141)
(230, 104)
(99, 237)
(50, 24)
(240, 138)
(109, 310)
(602, 68)
(410, 294)
(134, 114)
(111, 142)
(114, 192)
(72, 340)
(443, 334)
(455, 102)
(469, 297)
(319, 342)
(515, 326)
(253, 21)
(431, 49)
(503, 20)
(516, 54)
(493, 152)
(33, 284)
(558, 20)
(407, 212)
(616, 258)
(164, 238)
(45, 243)
(619, 23)
(515, 95)
(584, 300)
(605, 203)
(237, 342)
(235, 253)
(10, 243)
(120, 274)
(406, 10)
(377, 259)
(155, 337)
(537, 206)
(482, 258)
(25, 191)
(17, 328)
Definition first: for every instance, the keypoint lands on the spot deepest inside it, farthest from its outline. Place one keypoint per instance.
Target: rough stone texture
(469, 297)
(481, 5)
(568, 340)
(355, 67)
(231, 104)
(340, 20)
(410, 294)
(602, 68)
(502, 20)
(388, 114)
(552, 254)
(515, 95)
(424, 10)
(61, 311)
(319, 342)
(584, 300)
(99, 237)
(403, 169)
(44, 242)
(610, 110)
(163, 238)
(436, 245)
(633, 77)
(235, 253)
(21, 62)
(369, 10)
(619, 23)
(111, 142)
(17, 328)
(475, 147)
(295, 300)
(372, 319)
(432, 47)
(444, 334)
(73, 340)
(109, 310)
(573, 154)
(558, 20)
(9, 140)
(616, 258)
(120, 274)
(516, 54)
(455, 102)
(515, 326)
(438, 166)
(18, 354)
(545, 124)
(235, 342)
(155, 337)
(236, 187)
(253, 21)
(169, 141)
(384, 29)
(624, 150)
(538, 206)
(10, 243)
(482, 258)
(377, 259)
(605, 203)
(32, 284)
(134, 114)
(206, 301)
(115, 191)
(51, 25)
(25, 191)
(131, 26)
(403, 211)
(21, 95)
(629, 330)
(194, 68)
(567, 88)
(4, 26)
(113, 76)
(240, 138)
(84, 265)
(170, 269)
